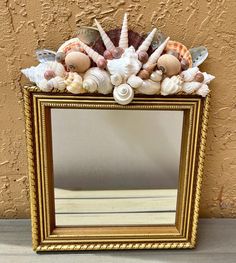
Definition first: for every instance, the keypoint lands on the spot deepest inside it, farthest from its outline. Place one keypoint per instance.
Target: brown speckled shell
(180, 49)
(135, 40)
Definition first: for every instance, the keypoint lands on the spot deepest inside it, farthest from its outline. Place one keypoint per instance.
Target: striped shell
(182, 51)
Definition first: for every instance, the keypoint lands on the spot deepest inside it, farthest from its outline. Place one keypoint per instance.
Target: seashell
(107, 54)
(156, 76)
(123, 43)
(147, 42)
(69, 79)
(199, 55)
(156, 54)
(184, 64)
(75, 86)
(123, 94)
(171, 85)
(43, 85)
(49, 74)
(158, 39)
(191, 87)
(60, 57)
(169, 64)
(116, 79)
(117, 52)
(106, 40)
(57, 83)
(88, 34)
(135, 82)
(69, 45)
(145, 73)
(207, 78)
(44, 55)
(149, 87)
(96, 79)
(36, 74)
(91, 53)
(173, 53)
(143, 56)
(203, 90)
(77, 62)
(102, 63)
(199, 77)
(127, 65)
(189, 74)
(183, 52)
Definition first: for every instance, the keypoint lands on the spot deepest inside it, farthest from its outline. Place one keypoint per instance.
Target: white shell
(96, 79)
(156, 76)
(149, 87)
(74, 83)
(57, 83)
(116, 79)
(123, 43)
(147, 42)
(171, 85)
(127, 65)
(43, 85)
(189, 74)
(123, 94)
(203, 91)
(135, 81)
(207, 78)
(156, 54)
(191, 87)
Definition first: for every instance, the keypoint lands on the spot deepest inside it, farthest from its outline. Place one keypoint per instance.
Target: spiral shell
(189, 74)
(57, 83)
(207, 78)
(74, 83)
(191, 87)
(183, 52)
(123, 43)
(147, 42)
(156, 76)
(134, 81)
(96, 79)
(203, 90)
(123, 94)
(171, 85)
(169, 64)
(116, 79)
(149, 87)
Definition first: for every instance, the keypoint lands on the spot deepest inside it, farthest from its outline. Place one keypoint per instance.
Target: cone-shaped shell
(123, 43)
(183, 52)
(91, 53)
(147, 42)
(123, 94)
(156, 54)
(106, 40)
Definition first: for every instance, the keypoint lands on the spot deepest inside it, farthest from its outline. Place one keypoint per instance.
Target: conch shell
(96, 79)
(191, 87)
(171, 85)
(149, 87)
(189, 74)
(127, 65)
(123, 94)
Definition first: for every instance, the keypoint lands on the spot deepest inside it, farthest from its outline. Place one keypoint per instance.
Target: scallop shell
(171, 85)
(57, 83)
(189, 74)
(135, 81)
(182, 51)
(191, 87)
(96, 79)
(199, 55)
(123, 94)
(127, 65)
(203, 90)
(124, 41)
(149, 87)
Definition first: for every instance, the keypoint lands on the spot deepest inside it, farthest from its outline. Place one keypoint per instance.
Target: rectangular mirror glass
(116, 167)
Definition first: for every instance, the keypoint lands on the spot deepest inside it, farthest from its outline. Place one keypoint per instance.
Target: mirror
(116, 167)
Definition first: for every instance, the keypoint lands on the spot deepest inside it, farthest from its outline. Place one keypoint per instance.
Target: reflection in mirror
(116, 167)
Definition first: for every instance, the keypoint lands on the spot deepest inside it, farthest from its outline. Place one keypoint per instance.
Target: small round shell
(123, 94)
(169, 64)
(135, 81)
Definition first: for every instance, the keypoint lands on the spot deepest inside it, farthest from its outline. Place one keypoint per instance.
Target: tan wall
(26, 25)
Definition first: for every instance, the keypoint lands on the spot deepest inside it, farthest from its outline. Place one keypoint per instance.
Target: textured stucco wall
(26, 25)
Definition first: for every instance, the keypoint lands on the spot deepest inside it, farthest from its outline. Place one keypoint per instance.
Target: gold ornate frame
(47, 236)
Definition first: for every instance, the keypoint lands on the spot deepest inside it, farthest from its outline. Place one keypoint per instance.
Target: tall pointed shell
(156, 54)
(123, 43)
(181, 50)
(199, 55)
(189, 74)
(106, 40)
(149, 87)
(91, 53)
(147, 42)
(96, 79)
(123, 94)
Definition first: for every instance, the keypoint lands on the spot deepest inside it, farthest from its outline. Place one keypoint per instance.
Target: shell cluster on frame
(123, 63)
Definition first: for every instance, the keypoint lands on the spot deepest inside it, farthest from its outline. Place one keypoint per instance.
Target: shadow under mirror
(116, 167)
